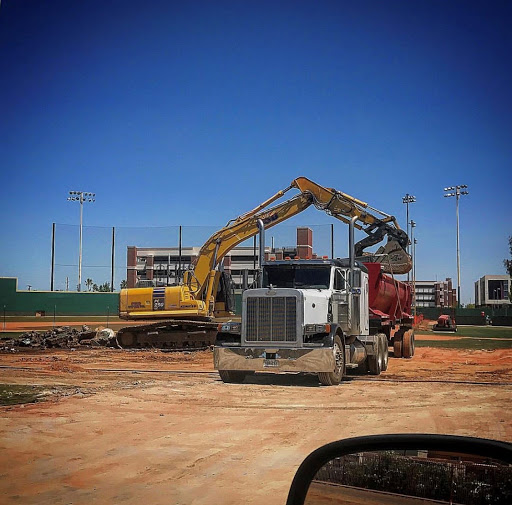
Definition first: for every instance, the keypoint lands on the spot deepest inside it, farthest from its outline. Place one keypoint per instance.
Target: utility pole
(407, 199)
(81, 196)
(413, 225)
(414, 274)
(456, 192)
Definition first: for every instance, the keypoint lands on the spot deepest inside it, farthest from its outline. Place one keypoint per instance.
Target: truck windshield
(297, 276)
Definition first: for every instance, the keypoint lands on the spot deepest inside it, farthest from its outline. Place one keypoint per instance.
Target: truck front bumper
(274, 360)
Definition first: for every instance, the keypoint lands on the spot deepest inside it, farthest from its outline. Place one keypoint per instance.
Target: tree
(508, 266)
(89, 284)
(123, 284)
(508, 263)
(104, 288)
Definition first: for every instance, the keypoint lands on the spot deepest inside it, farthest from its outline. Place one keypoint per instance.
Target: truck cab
(309, 316)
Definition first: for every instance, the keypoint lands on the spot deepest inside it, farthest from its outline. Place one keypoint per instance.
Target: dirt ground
(149, 427)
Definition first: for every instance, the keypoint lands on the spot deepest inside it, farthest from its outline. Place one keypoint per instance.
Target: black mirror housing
(475, 447)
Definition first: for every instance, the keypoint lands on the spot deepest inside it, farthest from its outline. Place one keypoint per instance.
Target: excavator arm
(237, 231)
(376, 225)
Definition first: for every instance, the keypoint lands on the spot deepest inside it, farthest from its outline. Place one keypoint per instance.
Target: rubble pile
(63, 337)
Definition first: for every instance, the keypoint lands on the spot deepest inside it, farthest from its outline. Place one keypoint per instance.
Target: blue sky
(191, 113)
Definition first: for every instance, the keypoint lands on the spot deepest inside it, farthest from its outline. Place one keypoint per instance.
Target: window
(297, 276)
(339, 280)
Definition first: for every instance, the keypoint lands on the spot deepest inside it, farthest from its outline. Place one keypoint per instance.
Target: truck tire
(408, 344)
(397, 348)
(375, 360)
(385, 352)
(335, 377)
(233, 376)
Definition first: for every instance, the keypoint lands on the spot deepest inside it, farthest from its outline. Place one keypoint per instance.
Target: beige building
(435, 294)
(164, 266)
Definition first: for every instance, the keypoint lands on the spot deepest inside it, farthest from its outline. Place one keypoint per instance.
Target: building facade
(435, 294)
(492, 291)
(161, 266)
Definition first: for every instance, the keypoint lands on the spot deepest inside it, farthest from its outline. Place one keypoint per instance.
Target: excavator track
(174, 335)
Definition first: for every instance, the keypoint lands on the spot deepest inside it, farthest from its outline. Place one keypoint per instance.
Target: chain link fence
(105, 261)
(446, 481)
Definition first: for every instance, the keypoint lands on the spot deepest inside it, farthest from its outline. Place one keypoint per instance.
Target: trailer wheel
(385, 352)
(397, 348)
(375, 361)
(335, 377)
(233, 376)
(408, 344)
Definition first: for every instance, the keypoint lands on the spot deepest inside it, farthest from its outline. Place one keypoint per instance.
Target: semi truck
(324, 316)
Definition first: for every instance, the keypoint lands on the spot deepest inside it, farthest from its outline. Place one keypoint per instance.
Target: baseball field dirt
(111, 426)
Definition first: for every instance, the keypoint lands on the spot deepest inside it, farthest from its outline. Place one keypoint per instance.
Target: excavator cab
(225, 298)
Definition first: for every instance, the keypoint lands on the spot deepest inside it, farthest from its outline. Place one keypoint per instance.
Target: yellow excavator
(185, 313)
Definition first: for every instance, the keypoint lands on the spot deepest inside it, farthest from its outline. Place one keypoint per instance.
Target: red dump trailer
(389, 303)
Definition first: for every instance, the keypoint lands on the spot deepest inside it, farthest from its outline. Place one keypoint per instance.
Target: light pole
(413, 225)
(414, 273)
(456, 192)
(407, 199)
(81, 196)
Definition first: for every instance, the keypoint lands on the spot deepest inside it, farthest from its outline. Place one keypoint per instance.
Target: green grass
(467, 343)
(478, 332)
(12, 394)
(10, 334)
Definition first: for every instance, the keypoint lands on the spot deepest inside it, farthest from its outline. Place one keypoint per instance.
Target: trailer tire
(375, 361)
(397, 348)
(335, 377)
(385, 352)
(408, 345)
(232, 376)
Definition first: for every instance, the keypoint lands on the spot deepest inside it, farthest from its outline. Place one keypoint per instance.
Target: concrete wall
(65, 303)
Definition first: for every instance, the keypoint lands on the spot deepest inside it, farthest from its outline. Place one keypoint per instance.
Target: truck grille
(271, 319)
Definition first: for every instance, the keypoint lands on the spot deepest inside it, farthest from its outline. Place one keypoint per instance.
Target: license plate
(268, 363)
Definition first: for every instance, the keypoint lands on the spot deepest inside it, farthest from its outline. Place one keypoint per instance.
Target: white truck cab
(309, 316)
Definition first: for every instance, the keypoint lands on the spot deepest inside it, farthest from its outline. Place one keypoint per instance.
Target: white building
(492, 291)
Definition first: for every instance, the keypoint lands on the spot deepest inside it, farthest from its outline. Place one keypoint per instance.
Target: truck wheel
(397, 348)
(385, 352)
(375, 360)
(408, 344)
(335, 377)
(236, 376)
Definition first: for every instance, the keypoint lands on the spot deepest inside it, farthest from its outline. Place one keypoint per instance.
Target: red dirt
(167, 430)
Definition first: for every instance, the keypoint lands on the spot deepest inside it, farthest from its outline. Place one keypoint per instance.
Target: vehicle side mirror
(386, 469)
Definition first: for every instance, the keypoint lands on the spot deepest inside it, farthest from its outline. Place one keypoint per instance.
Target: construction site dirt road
(137, 427)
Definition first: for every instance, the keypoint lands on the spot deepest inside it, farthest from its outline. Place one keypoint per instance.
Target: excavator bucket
(393, 258)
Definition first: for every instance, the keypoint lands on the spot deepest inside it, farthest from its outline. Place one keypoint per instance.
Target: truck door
(340, 307)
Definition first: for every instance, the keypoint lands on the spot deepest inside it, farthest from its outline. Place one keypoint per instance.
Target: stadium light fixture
(81, 196)
(456, 192)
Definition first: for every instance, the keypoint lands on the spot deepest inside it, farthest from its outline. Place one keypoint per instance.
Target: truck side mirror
(398, 468)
